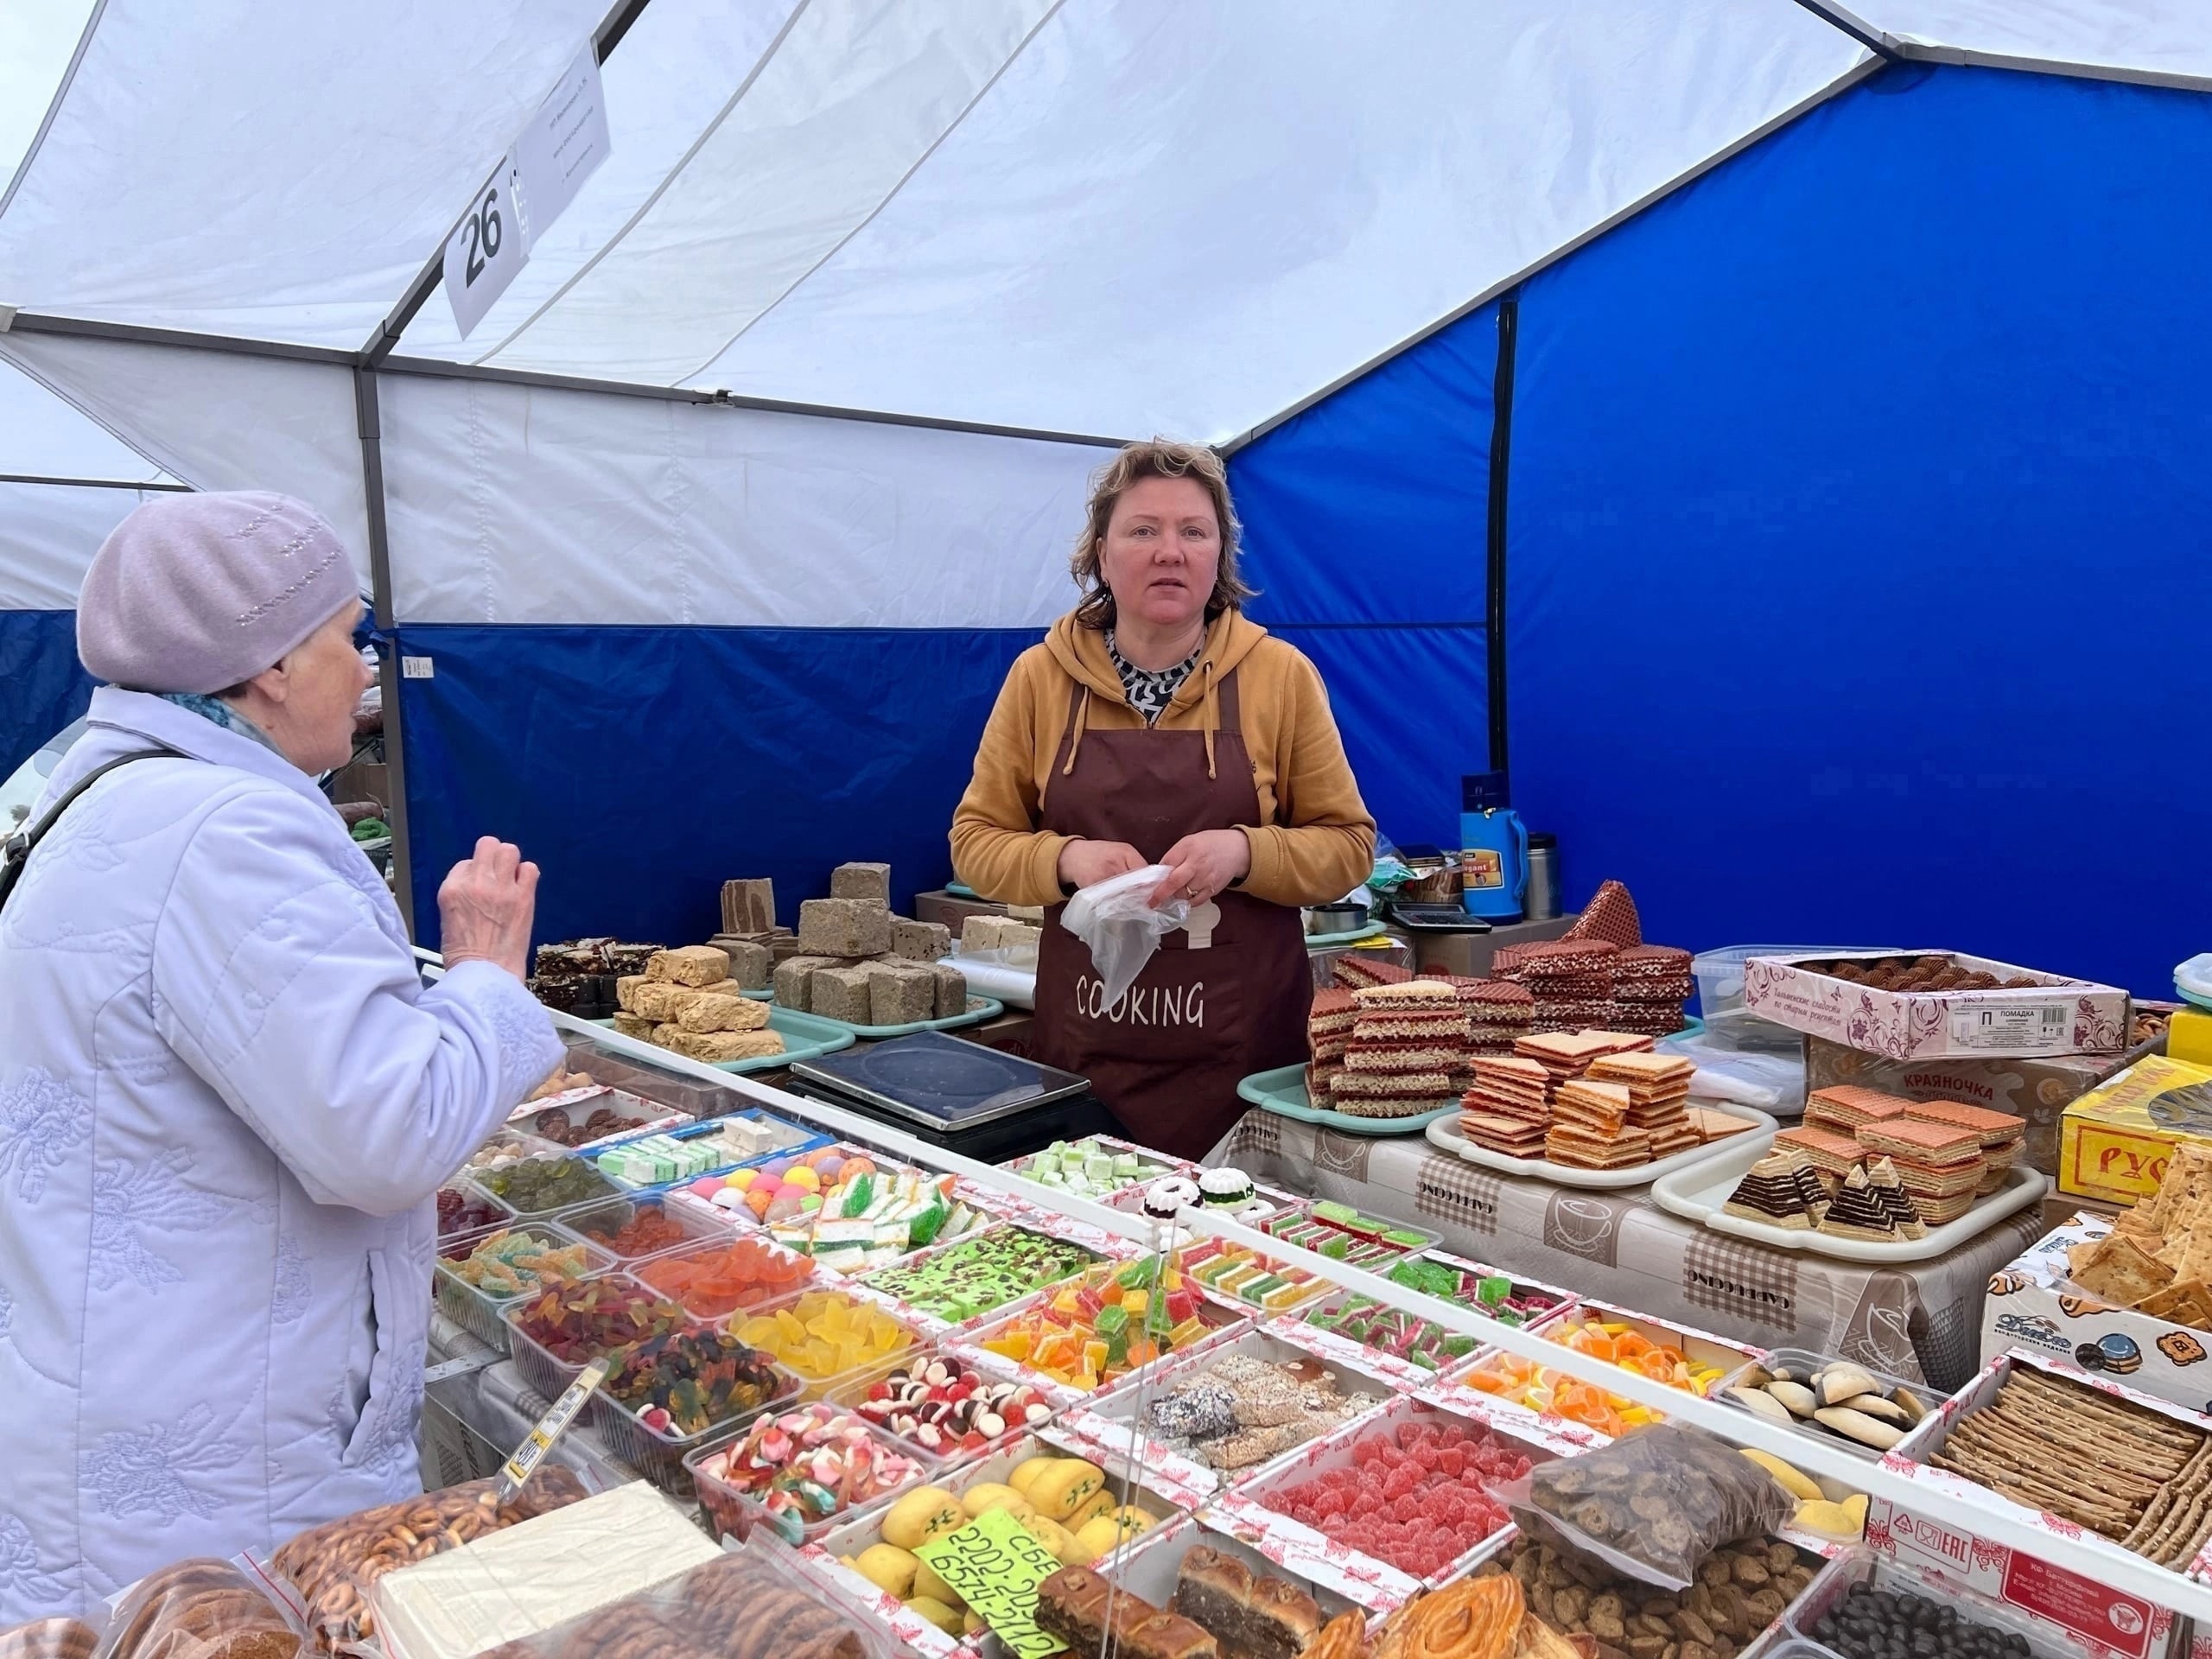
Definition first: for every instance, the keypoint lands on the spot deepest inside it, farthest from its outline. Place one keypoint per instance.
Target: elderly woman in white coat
(225, 1098)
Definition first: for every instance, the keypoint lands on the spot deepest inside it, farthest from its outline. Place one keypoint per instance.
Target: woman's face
(310, 696)
(1163, 548)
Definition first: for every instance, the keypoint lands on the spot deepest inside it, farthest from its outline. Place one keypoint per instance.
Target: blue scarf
(221, 713)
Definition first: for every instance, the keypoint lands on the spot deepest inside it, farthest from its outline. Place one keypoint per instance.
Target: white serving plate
(1697, 1195)
(1444, 1134)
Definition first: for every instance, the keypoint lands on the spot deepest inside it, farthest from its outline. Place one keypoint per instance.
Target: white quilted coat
(226, 1101)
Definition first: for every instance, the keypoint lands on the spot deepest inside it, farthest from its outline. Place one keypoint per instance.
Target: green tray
(1353, 935)
(805, 1038)
(979, 1009)
(1283, 1091)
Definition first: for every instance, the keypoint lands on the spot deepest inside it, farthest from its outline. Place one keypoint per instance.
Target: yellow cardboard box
(2114, 1141)
(2189, 1036)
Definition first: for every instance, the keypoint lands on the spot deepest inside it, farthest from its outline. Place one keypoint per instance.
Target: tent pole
(368, 418)
(1882, 43)
(93, 483)
(1501, 451)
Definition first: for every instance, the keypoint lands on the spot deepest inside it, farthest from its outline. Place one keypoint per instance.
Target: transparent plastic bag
(201, 1608)
(48, 1638)
(1652, 1505)
(1115, 919)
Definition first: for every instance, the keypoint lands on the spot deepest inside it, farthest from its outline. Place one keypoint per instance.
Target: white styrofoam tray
(1444, 1134)
(1697, 1193)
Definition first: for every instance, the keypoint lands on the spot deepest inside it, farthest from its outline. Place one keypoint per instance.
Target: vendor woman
(1156, 725)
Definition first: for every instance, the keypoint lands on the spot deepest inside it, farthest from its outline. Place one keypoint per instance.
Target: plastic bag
(199, 1609)
(47, 1638)
(333, 1566)
(1115, 919)
(1652, 1504)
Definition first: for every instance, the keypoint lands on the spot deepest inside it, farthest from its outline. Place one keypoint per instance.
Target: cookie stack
(1651, 982)
(1508, 1108)
(1328, 1034)
(2002, 1135)
(1499, 1012)
(1355, 970)
(1409, 1042)
(1658, 1089)
(1590, 1128)
(1847, 1109)
(1939, 1164)
(1571, 982)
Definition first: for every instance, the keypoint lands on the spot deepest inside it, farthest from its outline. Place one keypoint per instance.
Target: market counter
(1919, 1323)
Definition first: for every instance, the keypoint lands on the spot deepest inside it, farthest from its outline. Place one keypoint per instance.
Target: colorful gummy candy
(802, 1467)
(1418, 1341)
(1230, 1270)
(1542, 1388)
(537, 1186)
(786, 1187)
(719, 1277)
(1341, 1234)
(965, 1280)
(1415, 1498)
(463, 1211)
(948, 1408)
(1483, 1293)
(825, 1333)
(1116, 1318)
(515, 1260)
(630, 1231)
(579, 1322)
(683, 1382)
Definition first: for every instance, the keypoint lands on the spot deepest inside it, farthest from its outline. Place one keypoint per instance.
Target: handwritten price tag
(996, 1567)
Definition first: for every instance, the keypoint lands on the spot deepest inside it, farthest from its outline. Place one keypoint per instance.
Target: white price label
(486, 250)
(561, 147)
(415, 668)
(2011, 1025)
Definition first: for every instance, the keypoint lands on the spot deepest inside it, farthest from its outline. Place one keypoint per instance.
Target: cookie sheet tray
(1696, 1194)
(1283, 1091)
(1445, 1134)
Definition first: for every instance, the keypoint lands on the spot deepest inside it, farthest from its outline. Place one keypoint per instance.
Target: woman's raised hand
(486, 906)
(1201, 865)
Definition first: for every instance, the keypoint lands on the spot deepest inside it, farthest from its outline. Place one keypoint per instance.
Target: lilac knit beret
(197, 592)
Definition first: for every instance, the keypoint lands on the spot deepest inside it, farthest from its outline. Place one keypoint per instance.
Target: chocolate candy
(1871, 1624)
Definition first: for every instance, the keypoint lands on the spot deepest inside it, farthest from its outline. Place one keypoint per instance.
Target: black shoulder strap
(15, 851)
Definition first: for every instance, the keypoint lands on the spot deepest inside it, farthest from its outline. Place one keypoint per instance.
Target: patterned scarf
(222, 713)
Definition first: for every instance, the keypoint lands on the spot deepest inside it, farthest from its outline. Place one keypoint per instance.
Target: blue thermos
(1494, 843)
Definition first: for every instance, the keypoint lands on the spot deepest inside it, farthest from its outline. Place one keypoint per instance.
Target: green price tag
(996, 1566)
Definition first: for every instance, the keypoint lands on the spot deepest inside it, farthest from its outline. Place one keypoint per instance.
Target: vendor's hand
(1202, 865)
(486, 906)
(1083, 863)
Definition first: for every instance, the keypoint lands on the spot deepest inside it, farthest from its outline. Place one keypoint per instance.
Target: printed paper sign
(996, 1567)
(486, 250)
(563, 146)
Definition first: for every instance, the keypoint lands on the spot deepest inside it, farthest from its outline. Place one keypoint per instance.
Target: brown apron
(1214, 1004)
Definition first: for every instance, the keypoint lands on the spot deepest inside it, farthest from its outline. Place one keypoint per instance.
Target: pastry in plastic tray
(820, 1334)
(333, 1566)
(683, 1382)
(1077, 1607)
(1414, 1496)
(964, 1281)
(1542, 1389)
(199, 1609)
(1741, 1590)
(48, 1638)
(579, 1323)
(1242, 1410)
(717, 1277)
(747, 1603)
(1117, 1317)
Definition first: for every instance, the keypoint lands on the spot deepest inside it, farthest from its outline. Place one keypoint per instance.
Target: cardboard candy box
(2115, 1141)
(2055, 1015)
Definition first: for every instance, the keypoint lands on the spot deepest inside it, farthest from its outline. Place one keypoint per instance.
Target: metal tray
(942, 1081)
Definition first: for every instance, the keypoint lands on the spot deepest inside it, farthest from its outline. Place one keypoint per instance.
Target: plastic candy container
(965, 1280)
(1414, 1498)
(1341, 1234)
(849, 1210)
(1542, 1389)
(600, 1315)
(1482, 1293)
(631, 1230)
(537, 1186)
(514, 1260)
(462, 1211)
(786, 1187)
(1236, 1273)
(713, 1279)
(1089, 1169)
(682, 1383)
(947, 1408)
(799, 1469)
(821, 1334)
(1105, 1325)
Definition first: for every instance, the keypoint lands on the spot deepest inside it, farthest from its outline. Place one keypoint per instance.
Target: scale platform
(970, 1099)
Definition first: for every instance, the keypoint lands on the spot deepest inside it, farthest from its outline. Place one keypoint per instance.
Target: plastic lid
(2193, 980)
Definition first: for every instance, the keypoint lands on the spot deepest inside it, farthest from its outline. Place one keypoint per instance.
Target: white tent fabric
(218, 420)
(690, 514)
(48, 537)
(2156, 37)
(43, 436)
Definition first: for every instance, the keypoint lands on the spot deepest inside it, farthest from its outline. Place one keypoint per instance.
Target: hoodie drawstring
(1210, 719)
(1082, 713)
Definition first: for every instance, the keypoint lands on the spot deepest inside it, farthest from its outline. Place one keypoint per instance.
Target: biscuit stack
(2002, 1135)
(1409, 1042)
(2128, 1473)
(1499, 1012)
(1847, 1109)
(1508, 1107)
(1832, 1155)
(1659, 1090)
(1356, 970)
(2159, 1257)
(1328, 1034)
(1939, 1164)
(1590, 1128)
(1570, 981)
(1651, 982)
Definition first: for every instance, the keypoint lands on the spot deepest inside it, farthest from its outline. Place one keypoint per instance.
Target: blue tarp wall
(42, 686)
(1860, 505)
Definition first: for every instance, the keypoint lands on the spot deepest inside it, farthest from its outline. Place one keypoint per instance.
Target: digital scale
(975, 1101)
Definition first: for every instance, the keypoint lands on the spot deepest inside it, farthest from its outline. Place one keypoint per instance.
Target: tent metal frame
(168, 484)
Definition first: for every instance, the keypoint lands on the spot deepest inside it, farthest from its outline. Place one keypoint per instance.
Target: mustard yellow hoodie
(1314, 841)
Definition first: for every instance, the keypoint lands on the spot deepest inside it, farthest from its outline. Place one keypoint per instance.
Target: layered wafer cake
(1571, 982)
(1406, 1051)
(1834, 1155)
(1329, 1023)
(1846, 1107)
(1658, 1089)
(1357, 969)
(1508, 1108)
(1591, 1130)
(2002, 1135)
(1651, 982)
(1882, 1176)
(1939, 1164)
(1770, 1192)
(1498, 1014)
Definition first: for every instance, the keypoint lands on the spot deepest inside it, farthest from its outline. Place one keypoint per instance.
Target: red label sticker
(2083, 1605)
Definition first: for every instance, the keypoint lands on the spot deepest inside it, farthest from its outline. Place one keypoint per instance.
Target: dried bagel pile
(2137, 1476)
